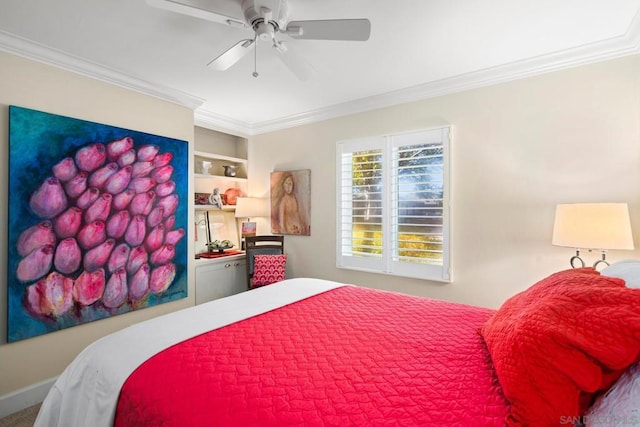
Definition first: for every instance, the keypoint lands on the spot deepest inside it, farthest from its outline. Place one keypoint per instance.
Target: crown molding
(31, 50)
(220, 123)
(615, 47)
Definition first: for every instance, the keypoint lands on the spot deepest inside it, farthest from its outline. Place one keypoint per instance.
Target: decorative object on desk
(291, 202)
(231, 195)
(249, 228)
(214, 224)
(81, 194)
(215, 198)
(230, 170)
(201, 198)
(219, 245)
(592, 226)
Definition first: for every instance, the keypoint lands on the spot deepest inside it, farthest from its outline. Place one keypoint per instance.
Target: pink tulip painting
(35, 237)
(49, 199)
(50, 296)
(97, 220)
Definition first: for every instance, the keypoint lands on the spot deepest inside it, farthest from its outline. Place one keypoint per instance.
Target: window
(393, 204)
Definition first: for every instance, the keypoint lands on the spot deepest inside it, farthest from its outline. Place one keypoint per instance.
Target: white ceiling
(417, 49)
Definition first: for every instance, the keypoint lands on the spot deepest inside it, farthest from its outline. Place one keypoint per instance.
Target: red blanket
(350, 356)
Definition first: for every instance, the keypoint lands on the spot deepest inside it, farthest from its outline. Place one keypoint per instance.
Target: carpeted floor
(24, 418)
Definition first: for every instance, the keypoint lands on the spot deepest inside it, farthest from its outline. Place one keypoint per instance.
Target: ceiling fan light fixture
(264, 30)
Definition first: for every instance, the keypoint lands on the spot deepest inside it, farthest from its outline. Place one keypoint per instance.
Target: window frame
(385, 264)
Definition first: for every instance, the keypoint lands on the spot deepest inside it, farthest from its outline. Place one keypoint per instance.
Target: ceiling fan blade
(189, 9)
(294, 62)
(331, 29)
(231, 55)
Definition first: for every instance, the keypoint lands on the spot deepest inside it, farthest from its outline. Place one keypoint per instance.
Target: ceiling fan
(267, 19)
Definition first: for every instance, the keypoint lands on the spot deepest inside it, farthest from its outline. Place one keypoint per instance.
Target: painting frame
(290, 197)
(97, 221)
(248, 229)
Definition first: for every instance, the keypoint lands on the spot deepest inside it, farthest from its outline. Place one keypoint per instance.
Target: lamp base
(601, 261)
(576, 258)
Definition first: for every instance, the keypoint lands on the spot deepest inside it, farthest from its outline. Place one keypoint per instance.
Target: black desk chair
(265, 245)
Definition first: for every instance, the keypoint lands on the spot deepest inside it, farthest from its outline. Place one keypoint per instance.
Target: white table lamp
(592, 226)
(247, 207)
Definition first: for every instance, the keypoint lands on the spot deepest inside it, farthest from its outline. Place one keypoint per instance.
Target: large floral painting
(97, 221)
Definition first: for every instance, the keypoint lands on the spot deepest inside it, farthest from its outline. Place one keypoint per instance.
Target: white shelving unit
(218, 277)
(215, 177)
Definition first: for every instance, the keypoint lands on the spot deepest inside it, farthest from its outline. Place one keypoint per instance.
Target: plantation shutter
(393, 205)
(360, 189)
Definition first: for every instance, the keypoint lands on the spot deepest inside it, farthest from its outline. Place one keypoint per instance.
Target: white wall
(518, 150)
(33, 85)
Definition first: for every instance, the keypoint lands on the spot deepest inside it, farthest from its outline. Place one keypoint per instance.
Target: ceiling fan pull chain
(255, 58)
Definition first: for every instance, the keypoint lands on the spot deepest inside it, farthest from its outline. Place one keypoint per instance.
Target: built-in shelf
(214, 208)
(217, 165)
(226, 178)
(212, 156)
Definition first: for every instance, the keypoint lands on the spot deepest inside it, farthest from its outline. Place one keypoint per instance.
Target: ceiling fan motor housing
(266, 17)
(264, 31)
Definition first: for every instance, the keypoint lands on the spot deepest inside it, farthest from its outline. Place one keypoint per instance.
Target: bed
(315, 352)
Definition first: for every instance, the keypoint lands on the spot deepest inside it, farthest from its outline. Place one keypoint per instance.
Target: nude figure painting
(290, 202)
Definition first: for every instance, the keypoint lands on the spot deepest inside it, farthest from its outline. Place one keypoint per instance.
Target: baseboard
(25, 397)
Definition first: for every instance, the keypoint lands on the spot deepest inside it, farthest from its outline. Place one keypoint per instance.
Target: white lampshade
(599, 226)
(247, 207)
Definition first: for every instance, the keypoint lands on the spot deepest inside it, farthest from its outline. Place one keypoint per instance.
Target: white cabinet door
(240, 275)
(220, 279)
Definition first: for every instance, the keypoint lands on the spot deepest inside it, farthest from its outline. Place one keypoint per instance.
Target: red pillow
(268, 269)
(561, 341)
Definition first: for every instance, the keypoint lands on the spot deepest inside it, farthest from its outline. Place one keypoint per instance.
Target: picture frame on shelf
(201, 198)
(249, 228)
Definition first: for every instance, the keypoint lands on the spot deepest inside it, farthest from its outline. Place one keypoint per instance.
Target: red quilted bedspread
(349, 356)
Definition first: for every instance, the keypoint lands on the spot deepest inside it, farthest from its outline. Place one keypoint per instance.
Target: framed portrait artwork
(291, 202)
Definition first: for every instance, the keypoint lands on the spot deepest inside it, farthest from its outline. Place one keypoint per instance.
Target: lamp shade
(247, 207)
(593, 226)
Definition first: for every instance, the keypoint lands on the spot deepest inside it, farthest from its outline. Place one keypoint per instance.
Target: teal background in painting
(39, 140)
